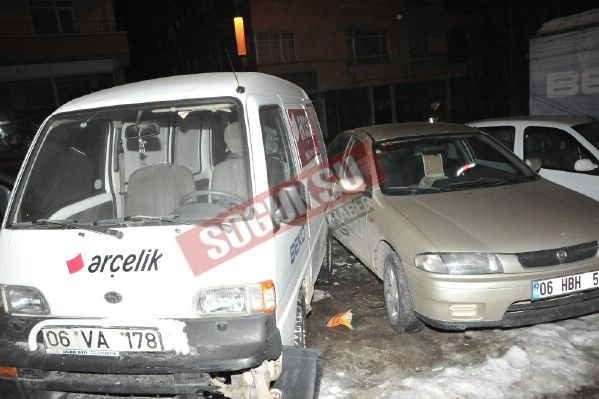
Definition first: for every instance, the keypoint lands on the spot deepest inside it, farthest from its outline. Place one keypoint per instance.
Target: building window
(367, 46)
(274, 47)
(428, 43)
(51, 16)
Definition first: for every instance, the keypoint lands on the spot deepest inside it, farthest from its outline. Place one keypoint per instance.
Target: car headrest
(233, 139)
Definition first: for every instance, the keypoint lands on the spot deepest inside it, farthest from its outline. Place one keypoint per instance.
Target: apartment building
(52, 51)
(361, 61)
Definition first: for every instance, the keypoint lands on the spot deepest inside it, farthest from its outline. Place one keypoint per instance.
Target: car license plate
(564, 285)
(94, 341)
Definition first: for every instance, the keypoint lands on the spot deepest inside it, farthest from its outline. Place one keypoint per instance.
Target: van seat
(156, 190)
(230, 175)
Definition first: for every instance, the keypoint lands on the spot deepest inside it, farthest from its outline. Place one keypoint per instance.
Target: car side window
(555, 148)
(504, 134)
(277, 146)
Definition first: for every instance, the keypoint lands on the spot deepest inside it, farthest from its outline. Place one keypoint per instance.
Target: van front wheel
(299, 337)
(397, 297)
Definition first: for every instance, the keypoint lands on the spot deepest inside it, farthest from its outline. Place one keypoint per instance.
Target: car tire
(397, 297)
(325, 276)
(299, 333)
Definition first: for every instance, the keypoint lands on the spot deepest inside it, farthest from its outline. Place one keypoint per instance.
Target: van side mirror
(290, 204)
(4, 198)
(584, 165)
(534, 163)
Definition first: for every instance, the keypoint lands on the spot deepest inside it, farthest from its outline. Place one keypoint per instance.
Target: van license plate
(92, 341)
(564, 285)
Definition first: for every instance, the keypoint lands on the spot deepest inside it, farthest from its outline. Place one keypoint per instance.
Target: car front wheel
(397, 297)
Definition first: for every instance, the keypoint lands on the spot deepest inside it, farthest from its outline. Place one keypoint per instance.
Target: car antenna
(240, 89)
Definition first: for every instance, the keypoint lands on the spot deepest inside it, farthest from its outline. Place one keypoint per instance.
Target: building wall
(349, 94)
(45, 61)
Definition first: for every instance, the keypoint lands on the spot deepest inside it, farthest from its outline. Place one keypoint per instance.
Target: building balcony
(26, 43)
(28, 28)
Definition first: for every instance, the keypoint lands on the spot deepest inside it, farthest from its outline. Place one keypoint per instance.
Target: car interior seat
(230, 175)
(156, 190)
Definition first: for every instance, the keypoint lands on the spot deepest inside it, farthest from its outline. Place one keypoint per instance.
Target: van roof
(204, 85)
(412, 129)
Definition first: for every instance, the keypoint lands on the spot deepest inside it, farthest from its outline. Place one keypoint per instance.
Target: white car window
(555, 148)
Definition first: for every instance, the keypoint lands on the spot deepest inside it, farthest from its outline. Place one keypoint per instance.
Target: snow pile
(555, 358)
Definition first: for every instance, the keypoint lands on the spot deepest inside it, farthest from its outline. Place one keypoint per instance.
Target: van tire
(325, 276)
(299, 332)
(397, 297)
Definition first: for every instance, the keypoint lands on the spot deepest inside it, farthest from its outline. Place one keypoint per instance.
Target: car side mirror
(4, 198)
(584, 165)
(534, 163)
(354, 185)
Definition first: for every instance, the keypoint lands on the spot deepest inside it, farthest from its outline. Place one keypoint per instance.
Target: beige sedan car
(462, 233)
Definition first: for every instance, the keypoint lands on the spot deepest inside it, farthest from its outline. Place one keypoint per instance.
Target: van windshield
(433, 164)
(169, 162)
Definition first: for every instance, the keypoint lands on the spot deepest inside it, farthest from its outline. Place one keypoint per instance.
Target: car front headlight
(459, 263)
(242, 299)
(22, 300)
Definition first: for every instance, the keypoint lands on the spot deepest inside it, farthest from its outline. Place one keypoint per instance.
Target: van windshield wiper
(75, 225)
(143, 218)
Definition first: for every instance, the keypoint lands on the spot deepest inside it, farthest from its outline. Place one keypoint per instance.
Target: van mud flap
(302, 370)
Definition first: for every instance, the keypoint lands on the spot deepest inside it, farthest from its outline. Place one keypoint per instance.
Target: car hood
(503, 219)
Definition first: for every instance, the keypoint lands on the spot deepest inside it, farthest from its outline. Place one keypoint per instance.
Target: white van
(149, 246)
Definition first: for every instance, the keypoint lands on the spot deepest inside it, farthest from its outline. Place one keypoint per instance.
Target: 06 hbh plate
(564, 285)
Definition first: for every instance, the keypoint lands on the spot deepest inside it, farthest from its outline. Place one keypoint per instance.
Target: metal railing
(53, 27)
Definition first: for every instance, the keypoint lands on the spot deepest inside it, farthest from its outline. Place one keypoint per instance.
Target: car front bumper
(499, 300)
(245, 344)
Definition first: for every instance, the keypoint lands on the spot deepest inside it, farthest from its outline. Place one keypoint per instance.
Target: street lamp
(240, 36)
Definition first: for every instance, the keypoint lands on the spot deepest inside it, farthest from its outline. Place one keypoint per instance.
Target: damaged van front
(113, 278)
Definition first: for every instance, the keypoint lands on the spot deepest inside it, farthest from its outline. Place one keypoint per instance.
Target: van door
(292, 252)
(558, 151)
(307, 136)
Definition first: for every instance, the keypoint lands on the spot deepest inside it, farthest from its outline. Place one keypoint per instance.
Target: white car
(563, 149)
(147, 235)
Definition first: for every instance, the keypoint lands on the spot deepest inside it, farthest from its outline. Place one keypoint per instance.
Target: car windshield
(435, 164)
(590, 131)
(160, 163)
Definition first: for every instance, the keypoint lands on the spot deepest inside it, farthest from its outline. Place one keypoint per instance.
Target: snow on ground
(546, 359)
(553, 360)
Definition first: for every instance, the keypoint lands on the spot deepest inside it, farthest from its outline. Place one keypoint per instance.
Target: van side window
(555, 148)
(218, 123)
(277, 148)
(503, 134)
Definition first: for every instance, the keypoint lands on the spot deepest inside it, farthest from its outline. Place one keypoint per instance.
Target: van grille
(558, 256)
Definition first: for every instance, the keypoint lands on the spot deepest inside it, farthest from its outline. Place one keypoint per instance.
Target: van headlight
(459, 263)
(22, 300)
(242, 299)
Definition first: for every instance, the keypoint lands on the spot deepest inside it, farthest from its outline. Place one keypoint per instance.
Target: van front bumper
(244, 344)
(499, 300)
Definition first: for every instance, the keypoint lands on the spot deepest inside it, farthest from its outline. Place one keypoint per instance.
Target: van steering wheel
(235, 199)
